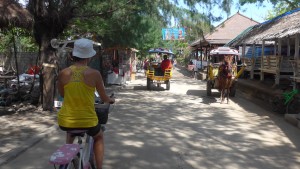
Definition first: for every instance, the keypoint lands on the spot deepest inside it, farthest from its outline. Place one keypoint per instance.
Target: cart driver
(165, 64)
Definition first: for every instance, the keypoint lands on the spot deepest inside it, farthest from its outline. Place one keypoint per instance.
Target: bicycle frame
(86, 152)
(83, 151)
(68, 153)
(282, 102)
(288, 96)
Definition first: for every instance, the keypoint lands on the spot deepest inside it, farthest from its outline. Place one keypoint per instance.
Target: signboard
(173, 33)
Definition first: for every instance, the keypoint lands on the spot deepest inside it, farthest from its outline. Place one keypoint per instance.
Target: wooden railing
(296, 67)
(252, 65)
(277, 65)
(270, 64)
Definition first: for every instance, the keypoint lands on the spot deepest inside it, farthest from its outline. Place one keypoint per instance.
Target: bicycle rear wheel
(293, 107)
(92, 161)
(72, 165)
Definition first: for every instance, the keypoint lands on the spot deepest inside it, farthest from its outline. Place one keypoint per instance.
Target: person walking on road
(77, 85)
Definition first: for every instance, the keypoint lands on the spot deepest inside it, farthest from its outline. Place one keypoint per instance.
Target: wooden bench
(277, 65)
(252, 65)
(270, 64)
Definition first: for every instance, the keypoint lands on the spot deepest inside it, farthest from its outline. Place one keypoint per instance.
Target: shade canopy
(224, 51)
(161, 50)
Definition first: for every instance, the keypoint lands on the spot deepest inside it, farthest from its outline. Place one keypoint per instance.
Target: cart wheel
(208, 88)
(168, 84)
(148, 84)
(232, 90)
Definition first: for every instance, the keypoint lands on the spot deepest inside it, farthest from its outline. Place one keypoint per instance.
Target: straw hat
(83, 48)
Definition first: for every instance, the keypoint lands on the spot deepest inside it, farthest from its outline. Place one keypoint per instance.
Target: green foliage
(24, 40)
(280, 6)
(130, 23)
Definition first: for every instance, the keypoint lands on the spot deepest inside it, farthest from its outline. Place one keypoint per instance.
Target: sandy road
(183, 128)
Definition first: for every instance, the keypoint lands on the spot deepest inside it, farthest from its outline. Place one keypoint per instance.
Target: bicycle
(286, 103)
(293, 106)
(80, 155)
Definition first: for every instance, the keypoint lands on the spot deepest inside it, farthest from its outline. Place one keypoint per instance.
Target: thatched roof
(13, 14)
(227, 30)
(287, 24)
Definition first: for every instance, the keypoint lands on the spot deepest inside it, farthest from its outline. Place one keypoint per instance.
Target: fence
(25, 60)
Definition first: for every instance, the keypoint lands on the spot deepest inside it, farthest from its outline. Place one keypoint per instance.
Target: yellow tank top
(78, 110)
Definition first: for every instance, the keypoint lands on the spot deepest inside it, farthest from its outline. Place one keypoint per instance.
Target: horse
(225, 78)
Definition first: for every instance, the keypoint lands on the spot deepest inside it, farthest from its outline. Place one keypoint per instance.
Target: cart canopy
(224, 51)
(161, 50)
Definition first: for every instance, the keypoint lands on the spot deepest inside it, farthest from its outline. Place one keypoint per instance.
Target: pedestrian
(191, 67)
(77, 85)
(146, 66)
(174, 63)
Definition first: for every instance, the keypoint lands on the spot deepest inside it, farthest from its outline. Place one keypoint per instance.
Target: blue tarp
(280, 16)
(268, 51)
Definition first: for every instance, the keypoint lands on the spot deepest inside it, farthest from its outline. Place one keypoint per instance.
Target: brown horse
(225, 78)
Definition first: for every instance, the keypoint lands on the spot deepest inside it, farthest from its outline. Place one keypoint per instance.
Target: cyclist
(77, 84)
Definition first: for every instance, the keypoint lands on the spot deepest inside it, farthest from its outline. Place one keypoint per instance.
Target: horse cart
(222, 64)
(154, 73)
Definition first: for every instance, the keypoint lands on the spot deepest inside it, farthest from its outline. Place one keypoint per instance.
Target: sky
(255, 11)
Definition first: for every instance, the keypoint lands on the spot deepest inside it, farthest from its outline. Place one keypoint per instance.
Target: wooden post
(278, 60)
(262, 78)
(252, 62)
(296, 56)
(288, 47)
(243, 53)
(296, 59)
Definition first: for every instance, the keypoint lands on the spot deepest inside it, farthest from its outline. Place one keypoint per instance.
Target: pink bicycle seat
(64, 154)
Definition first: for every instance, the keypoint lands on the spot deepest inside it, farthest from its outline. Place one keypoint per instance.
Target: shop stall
(118, 65)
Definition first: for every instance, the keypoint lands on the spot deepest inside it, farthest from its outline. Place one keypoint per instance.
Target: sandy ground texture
(21, 122)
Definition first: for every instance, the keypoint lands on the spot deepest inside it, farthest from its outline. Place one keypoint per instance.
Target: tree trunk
(48, 86)
(48, 61)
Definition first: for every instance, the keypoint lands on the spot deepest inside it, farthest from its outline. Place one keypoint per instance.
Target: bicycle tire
(293, 107)
(74, 164)
(92, 162)
(277, 105)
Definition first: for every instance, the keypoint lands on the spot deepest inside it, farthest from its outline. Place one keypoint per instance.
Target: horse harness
(225, 70)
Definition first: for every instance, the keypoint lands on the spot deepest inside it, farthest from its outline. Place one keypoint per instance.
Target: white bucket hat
(83, 48)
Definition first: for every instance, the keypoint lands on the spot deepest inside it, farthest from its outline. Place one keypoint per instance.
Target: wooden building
(282, 32)
(222, 34)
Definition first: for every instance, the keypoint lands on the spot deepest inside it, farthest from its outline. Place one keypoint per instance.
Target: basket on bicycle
(102, 111)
